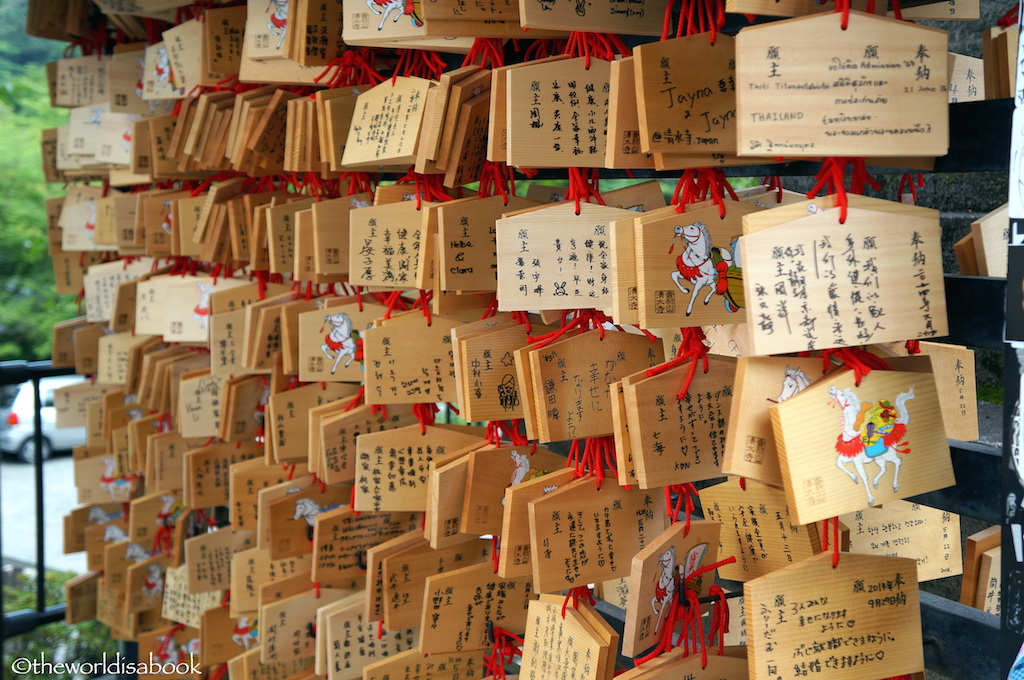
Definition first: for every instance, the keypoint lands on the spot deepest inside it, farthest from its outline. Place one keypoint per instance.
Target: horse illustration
(190, 648)
(703, 266)
(359, 203)
(90, 221)
(278, 24)
(794, 382)
(170, 511)
(665, 589)
(245, 633)
(167, 223)
(154, 584)
(136, 553)
(339, 340)
(98, 515)
(308, 509)
(162, 72)
(114, 534)
(871, 433)
(116, 486)
(167, 650)
(403, 7)
(201, 312)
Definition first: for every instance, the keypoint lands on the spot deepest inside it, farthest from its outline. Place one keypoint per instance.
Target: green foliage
(82, 642)
(28, 304)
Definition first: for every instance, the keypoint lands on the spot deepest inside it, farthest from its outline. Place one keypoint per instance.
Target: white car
(17, 408)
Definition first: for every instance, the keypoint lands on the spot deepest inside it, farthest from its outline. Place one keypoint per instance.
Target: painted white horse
(308, 509)
(154, 584)
(665, 590)
(201, 312)
(796, 381)
(339, 340)
(871, 433)
(278, 24)
(695, 266)
(136, 553)
(244, 634)
(114, 534)
(98, 515)
(116, 485)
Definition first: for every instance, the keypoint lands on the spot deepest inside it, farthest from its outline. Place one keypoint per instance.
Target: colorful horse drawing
(702, 265)
(871, 433)
(116, 485)
(154, 584)
(338, 340)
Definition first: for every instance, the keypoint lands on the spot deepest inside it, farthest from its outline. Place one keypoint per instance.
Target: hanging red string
(360, 183)
(583, 186)
(543, 48)
(691, 348)
(859, 360)
(598, 454)
(719, 618)
(913, 346)
(489, 52)
(909, 183)
(1010, 18)
(494, 180)
(831, 177)
(574, 595)
(418, 64)
(685, 495)
(774, 183)
(425, 413)
(354, 67)
(843, 8)
(595, 45)
(690, 614)
(827, 526)
(695, 16)
(697, 185)
(506, 647)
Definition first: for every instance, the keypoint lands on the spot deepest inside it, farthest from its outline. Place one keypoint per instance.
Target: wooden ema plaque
(392, 468)
(460, 604)
(354, 643)
(912, 530)
(808, 88)
(339, 432)
(673, 440)
(566, 647)
(252, 568)
(686, 94)
(406, 572)
(566, 109)
(570, 378)
(552, 258)
(864, 614)
(654, 574)
(757, 528)
(467, 245)
(887, 443)
(814, 283)
(290, 521)
(386, 123)
(342, 536)
(490, 473)
(515, 557)
(760, 382)
(409, 362)
(581, 535)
